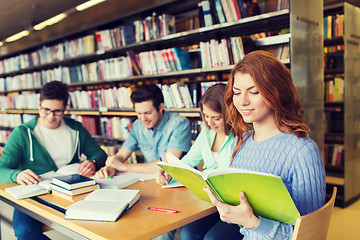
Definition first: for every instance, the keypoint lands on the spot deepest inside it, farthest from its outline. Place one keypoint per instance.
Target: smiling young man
(155, 132)
(44, 144)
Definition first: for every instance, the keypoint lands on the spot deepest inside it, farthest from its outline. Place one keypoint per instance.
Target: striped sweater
(298, 162)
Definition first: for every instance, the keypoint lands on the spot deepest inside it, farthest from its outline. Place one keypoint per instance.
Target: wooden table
(137, 223)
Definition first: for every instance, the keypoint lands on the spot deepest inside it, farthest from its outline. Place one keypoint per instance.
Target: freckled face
(249, 102)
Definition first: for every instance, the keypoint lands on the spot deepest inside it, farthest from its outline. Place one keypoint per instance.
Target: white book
(103, 205)
(167, 98)
(43, 187)
(121, 180)
(175, 94)
(26, 191)
(185, 94)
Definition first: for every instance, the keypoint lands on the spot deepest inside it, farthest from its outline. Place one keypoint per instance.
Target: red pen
(163, 210)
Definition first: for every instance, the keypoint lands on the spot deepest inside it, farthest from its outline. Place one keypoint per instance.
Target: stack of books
(72, 186)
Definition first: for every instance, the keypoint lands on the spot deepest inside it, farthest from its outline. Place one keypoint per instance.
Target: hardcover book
(75, 191)
(73, 181)
(103, 205)
(266, 193)
(43, 187)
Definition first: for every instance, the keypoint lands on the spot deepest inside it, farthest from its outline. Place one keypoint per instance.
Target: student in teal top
(212, 146)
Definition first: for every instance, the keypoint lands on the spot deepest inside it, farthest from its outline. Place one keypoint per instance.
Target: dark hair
(148, 92)
(213, 98)
(55, 90)
(274, 82)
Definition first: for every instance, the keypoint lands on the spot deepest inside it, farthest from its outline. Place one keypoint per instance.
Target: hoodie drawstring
(31, 147)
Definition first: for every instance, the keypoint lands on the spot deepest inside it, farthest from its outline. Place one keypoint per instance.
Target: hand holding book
(266, 193)
(242, 214)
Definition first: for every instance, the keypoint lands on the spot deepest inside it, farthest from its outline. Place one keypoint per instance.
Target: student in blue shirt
(155, 132)
(260, 94)
(212, 146)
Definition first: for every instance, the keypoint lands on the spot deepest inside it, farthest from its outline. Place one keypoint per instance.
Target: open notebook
(103, 205)
(43, 187)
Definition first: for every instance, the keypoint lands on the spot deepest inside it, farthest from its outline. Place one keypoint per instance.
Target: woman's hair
(55, 90)
(213, 98)
(274, 82)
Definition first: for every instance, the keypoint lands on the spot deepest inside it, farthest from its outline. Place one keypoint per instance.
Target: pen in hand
(167, 182)
(163, 210)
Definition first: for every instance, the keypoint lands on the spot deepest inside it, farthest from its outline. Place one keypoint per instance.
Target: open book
(266, 193)
(122, 179)
(43, 187)
(103, 205)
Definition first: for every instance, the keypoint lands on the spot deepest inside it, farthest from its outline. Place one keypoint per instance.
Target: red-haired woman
(264, 110)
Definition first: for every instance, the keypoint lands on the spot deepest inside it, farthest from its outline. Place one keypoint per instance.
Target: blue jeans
(166, 236)
(210, 228)
(27, 228)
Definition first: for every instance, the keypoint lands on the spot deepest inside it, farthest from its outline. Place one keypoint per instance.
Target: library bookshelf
(299, 47)
(341, 77)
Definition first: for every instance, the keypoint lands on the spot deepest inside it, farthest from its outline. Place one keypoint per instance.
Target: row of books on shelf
(223, 52)
(334, 154)
(12, 120)
(221, 11)
(175, 96)
(19, 101)
(116, 97)
(334, 89)
(212, 53)
(49, 54)
(144, 63)
(333, 48)
(155, 26)
(114, 127)
(333, 26)
(152, 27)
(119, 127)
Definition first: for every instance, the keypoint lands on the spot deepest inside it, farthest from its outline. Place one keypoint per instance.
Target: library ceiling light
(1, 43)
(17, 36)
(50, 21)
(88, 4)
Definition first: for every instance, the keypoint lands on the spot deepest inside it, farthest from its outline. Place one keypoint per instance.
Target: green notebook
(266, 193)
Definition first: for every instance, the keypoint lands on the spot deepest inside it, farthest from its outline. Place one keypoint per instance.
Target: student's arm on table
(12, 157)
(92, 156)
(87, 167)
(27, 177)
(114, 163)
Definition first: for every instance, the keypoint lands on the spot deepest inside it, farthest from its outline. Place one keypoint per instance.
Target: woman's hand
(242, 214)
(161, 177)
